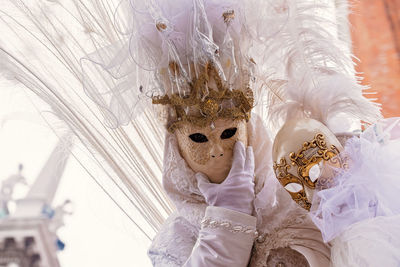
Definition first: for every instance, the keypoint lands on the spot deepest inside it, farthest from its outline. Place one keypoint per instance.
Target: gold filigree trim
(208, 101)
(228, 16)
(310, 154)
(285, 177)
(161, 26)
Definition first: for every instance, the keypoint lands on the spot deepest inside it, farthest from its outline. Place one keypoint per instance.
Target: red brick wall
(376, 42)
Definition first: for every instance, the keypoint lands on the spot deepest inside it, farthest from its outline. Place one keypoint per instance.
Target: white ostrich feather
(331, 95)
(42, 50)
(318, 67)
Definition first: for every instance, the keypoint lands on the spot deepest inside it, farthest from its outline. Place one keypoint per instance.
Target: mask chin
(305, 154)
(210, 149)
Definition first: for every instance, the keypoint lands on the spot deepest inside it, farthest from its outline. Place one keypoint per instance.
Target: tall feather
(45, 42)
(318, 66)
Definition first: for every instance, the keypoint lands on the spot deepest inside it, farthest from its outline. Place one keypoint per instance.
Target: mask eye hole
(314, 172)
(198, 138)
(293, 187)
(228, 133)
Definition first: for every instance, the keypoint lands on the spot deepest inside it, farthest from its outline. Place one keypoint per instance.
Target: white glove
(237, 191)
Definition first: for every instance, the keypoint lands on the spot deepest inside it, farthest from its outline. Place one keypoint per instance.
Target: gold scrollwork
(284, 177)
(310, 154)
(228, 16)
(207, 100)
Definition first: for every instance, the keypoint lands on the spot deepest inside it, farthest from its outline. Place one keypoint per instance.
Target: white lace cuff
(230, 220)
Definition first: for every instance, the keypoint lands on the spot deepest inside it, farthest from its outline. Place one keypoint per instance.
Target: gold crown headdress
(214, 81)
(204, 104)
(193, 57)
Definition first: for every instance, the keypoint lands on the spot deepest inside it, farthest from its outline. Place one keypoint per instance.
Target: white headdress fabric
(189, 34)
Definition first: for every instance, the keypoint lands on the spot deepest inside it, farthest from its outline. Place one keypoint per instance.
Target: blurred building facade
(28, 232)
(375, 33)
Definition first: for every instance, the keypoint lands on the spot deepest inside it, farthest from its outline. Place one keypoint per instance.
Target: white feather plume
(42, 52)
(332, 95)
(318, 67)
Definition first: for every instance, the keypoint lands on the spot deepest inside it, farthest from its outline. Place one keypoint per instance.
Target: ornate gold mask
(301, 151)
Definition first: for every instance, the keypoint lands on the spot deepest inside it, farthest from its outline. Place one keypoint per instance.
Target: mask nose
(217, 151)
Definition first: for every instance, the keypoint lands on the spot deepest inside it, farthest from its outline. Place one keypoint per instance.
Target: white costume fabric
(373, 242)
(197, 235)
(360, 214)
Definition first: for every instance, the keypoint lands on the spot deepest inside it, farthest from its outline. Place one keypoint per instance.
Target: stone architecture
(28, 233)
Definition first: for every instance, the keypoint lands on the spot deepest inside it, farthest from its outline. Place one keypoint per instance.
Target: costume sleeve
(225, 239)
(174, 242)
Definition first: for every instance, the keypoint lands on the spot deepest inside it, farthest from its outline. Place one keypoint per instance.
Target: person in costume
(215, 197)
(206, 67)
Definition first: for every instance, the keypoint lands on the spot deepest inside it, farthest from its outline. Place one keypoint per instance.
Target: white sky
(97, 234)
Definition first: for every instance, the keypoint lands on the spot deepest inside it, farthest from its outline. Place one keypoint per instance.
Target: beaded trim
(227, 225)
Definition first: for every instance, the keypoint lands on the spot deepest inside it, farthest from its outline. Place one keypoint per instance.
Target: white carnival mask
(302, 149)
(209, 149)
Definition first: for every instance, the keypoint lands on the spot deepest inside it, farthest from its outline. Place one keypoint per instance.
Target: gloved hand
(237, 191)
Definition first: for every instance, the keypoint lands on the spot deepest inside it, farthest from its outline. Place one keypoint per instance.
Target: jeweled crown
(203, 105)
